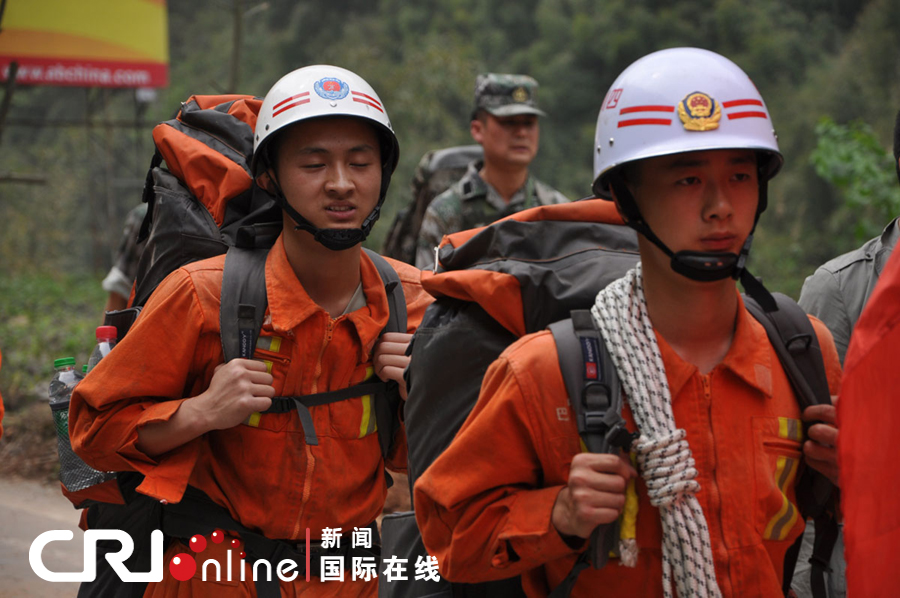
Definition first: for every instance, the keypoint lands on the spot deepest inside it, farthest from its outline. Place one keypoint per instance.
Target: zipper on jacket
(715, 494)
(310, 460)
(329, 333)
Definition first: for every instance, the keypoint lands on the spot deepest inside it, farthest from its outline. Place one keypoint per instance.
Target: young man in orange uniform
(685, 148)
(164, 404)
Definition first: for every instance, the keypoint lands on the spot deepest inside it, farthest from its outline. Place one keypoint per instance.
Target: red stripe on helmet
(368, 103)
(644, 121)
(736, 103)
(631, 109)
(289, 106)
(286, 100)
(735, 115)
(368, 97)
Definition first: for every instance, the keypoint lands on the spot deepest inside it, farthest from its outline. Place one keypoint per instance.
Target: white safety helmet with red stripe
(323, 91)
(676, 101)
(680, 100)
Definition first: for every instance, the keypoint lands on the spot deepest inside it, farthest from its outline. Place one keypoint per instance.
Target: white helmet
(322, 91)
(684, 100)
(680, 100)
(319, 91)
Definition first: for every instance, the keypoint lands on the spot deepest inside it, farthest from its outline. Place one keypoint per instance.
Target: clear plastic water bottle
(63, 381)
(74, 473)
(106, 340)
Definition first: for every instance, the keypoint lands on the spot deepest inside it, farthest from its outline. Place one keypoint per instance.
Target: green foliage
(44, 316)
(809, 58)
(851, 158)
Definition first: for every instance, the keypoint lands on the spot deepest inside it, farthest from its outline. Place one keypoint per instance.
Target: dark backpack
(436, 172)
(202, 203)
(596, 398)
(558, 265)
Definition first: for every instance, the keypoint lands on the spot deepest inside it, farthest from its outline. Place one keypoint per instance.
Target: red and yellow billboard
(85, 43)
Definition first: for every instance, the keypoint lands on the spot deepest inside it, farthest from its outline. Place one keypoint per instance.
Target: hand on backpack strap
(390, 359)
(237, 389)
(820, 449)
(594, 495)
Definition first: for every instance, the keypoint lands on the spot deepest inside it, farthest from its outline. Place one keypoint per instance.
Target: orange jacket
(868, 413)
(262, 471)
(484, 506)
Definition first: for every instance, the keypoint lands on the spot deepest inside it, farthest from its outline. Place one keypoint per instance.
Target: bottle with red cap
(106, 340)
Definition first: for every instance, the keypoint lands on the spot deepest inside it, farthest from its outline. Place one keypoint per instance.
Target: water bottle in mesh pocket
(75, 474)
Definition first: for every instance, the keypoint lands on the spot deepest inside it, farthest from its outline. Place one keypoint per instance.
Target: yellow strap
(628, 527)
(368, 425)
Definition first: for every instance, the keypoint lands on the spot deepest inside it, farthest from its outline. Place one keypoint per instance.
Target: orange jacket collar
(290, 305)
(748, 358)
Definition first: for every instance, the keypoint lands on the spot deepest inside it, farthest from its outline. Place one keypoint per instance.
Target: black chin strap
(335, 239)
(702, 266)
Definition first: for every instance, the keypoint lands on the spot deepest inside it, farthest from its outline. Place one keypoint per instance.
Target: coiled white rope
(663, 454)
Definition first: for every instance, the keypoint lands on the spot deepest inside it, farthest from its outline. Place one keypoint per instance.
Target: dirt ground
(27, 509)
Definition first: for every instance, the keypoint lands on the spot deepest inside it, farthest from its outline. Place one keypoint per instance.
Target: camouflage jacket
(471, 203)
(121, 276)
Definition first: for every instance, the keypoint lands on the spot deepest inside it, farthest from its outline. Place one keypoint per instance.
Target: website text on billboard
(85, 74)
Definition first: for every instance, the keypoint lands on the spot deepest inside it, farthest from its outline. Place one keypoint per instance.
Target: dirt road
(27, 509)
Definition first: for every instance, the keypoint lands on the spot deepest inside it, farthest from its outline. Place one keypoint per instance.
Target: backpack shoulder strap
(243, 301)
(795, 342)
(595, 393)
(388, 403)
(797, 346)
(396, 300)
(595, 396)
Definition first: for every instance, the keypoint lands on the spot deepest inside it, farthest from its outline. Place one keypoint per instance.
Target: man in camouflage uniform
(505, 124)
(121, 276)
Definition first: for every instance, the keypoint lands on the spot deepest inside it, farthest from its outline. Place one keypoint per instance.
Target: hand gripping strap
(387, 403)
(797, 346)
(244, 295)
(595, 396)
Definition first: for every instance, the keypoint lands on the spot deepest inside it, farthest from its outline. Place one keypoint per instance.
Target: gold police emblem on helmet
(520, 94)
(699, 112)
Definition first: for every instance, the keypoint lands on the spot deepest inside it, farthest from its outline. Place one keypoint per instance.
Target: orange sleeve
(143, 380)
(481, 506)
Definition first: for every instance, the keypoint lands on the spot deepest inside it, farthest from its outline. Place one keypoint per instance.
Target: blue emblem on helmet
(331, 88)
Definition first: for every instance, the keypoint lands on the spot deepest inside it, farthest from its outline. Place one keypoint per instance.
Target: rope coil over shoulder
(587, 367)
(663, 453)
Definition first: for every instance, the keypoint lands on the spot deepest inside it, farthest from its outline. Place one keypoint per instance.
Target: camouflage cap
(506, 95)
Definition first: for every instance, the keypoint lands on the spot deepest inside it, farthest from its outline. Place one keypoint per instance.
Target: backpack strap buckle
(609, 425)
(819, 562)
